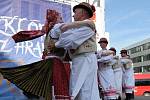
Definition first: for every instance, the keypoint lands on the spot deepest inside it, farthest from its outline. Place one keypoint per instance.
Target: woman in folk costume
(128, 75)
(117, 68)
(81, 44)
(105, 71)
(36, 79)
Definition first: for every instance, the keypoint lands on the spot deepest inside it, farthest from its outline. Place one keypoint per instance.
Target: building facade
(140, 55)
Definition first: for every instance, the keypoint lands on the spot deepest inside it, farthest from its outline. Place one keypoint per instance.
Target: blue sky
(127, 21)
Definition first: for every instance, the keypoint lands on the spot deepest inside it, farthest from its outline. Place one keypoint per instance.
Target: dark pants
(129, 96)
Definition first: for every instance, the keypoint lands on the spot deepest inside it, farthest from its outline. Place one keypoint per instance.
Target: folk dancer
(105, 71)
(128, 75)
(81, 45)
(117, 68)
(36, 79)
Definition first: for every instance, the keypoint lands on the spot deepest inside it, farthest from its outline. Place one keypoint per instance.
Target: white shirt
(72, 38)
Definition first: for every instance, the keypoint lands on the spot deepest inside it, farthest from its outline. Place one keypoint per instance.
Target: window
(142, 82)
(136, 59)
(137, 69)
(146, 68)
(146, 46)
(135, 49)
(146, 57)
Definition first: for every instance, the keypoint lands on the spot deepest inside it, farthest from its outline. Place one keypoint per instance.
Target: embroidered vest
(88, 46)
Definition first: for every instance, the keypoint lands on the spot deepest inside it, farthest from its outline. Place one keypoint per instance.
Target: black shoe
(129, 96)
(119, 98)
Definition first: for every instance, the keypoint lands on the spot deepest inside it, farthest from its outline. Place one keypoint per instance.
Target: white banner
(17, 15)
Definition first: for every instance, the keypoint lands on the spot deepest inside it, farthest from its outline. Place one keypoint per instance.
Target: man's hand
(64, 28)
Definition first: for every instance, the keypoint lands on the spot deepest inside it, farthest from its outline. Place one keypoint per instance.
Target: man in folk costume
(128, 75)
(117, 68)
(105, 71)
(80, 41)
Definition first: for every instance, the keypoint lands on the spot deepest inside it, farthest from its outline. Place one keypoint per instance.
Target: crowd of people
(115, 74)
(94, 75)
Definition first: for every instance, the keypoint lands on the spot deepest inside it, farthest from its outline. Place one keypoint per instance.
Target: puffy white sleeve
(55, 31)
(99, 54)
(125, 61)
(105, 59)
(73, 38)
